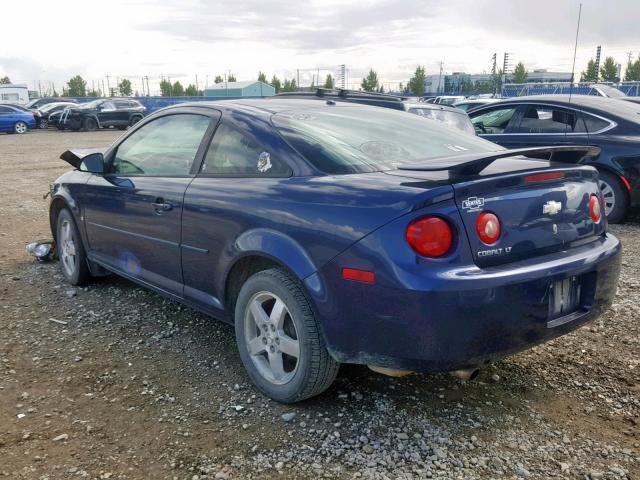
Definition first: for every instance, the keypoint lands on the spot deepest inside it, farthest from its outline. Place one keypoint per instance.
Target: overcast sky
(51, 40)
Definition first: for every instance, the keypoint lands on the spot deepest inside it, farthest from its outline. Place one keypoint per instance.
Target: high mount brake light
(594, 209)
(543, 177)
(488, 228)
(430, 236)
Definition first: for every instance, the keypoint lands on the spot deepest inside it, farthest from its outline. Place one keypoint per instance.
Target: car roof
(603, 105)
(272, 105)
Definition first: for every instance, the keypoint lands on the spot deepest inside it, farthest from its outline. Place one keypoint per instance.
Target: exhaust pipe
(466, 374)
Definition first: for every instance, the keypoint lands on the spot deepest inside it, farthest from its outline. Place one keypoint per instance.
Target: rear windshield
(453, 119)
(350, 139)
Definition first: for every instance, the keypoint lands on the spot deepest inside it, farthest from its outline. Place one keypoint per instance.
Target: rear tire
(274, 322)
(135, 119)
(89, 124)
(73, 259)
(20, 128)
(44, 124)
(614, 195)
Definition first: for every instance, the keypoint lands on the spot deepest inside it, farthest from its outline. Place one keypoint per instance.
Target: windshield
(611, 92)
(351, 139)
(32, 102)
(453, 119)
(92, 104)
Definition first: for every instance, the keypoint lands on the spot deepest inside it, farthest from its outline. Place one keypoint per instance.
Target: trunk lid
(536, 216)
(543, 206)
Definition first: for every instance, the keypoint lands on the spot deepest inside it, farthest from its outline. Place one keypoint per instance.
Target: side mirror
(85, 160)
(93, 163)
(99, 108)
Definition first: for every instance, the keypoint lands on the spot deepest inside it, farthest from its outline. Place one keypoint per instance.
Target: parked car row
(68, 114)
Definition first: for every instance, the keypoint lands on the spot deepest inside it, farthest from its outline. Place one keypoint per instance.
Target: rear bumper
(448, 319)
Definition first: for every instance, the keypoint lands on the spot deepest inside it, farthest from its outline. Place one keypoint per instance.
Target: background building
(240, 89)
(461, 82)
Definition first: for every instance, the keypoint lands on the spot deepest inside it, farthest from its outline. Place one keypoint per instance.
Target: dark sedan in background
(608, 123)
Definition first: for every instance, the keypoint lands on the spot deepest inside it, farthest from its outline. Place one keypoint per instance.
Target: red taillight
(594, 209)
(488, 228)
(356, 275)
(430, 236)
(543, 177)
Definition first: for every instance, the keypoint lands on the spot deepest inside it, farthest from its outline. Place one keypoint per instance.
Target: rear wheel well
(240, 272)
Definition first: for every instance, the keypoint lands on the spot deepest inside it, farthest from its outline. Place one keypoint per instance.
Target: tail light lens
(594, 209)
(488, 228)
(430, 236)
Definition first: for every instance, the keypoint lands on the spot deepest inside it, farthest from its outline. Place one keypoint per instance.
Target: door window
(107, 105)
(5, 110)
(548, 119)
(233, 153)
(166, 146)
(494, 121)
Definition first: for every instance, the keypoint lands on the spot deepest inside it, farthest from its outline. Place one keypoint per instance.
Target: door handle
(161, 206)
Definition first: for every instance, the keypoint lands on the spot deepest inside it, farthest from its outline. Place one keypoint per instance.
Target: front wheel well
(240, 273)
(54, 211)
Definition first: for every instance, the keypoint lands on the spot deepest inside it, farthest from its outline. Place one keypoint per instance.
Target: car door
(6, 115)
(132, 214)
(123, 110)
(231, 194)
(542, 125)
(107, 113)
(496, 123)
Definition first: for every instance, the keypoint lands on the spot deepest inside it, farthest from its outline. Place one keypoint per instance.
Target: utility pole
(505, 67)
(197, 88)
(148, 91)
(108, 86)
(494, 73)
(440, 87)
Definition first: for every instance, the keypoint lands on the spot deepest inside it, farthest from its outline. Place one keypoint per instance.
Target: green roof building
(240, 89)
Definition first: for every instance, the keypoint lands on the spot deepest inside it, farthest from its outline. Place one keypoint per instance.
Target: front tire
(73, 259)
(44, 124)
(20, 128)
(614, 196)
(89, 124)
(279, 338)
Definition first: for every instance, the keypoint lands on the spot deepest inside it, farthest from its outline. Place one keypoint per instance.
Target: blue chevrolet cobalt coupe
(331, 233)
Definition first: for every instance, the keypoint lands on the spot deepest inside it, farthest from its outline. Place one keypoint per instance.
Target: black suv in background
(101, 113)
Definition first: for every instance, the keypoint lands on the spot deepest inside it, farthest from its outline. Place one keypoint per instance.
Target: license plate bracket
(564, 297)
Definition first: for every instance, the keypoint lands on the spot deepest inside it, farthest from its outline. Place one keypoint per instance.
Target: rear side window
(5, 110)
(166, 146)
(595, 124)
(233, 153)
(547, 119)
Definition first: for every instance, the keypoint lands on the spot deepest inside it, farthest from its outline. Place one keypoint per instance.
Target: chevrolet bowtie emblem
(551, 207)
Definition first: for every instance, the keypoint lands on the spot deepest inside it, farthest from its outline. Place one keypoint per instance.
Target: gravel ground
(115, 382)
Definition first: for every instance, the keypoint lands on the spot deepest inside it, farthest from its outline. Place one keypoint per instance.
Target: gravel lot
(115, 382)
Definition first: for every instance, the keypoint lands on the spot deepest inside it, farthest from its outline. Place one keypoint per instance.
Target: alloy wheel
(609, 197)
(271, 338)
(20, 127)
(67, 247)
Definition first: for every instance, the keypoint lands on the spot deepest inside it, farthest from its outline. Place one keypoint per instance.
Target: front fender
(279, 247)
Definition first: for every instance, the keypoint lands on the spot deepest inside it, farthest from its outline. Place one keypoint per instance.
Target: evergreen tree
(520, 73)
(370, 82)
(609, 70)
(329, 82)
(591, 74)
(416, 83)
(76, 87)
(275, 83)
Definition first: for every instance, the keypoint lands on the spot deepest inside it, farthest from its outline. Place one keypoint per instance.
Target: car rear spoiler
(473, 163)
